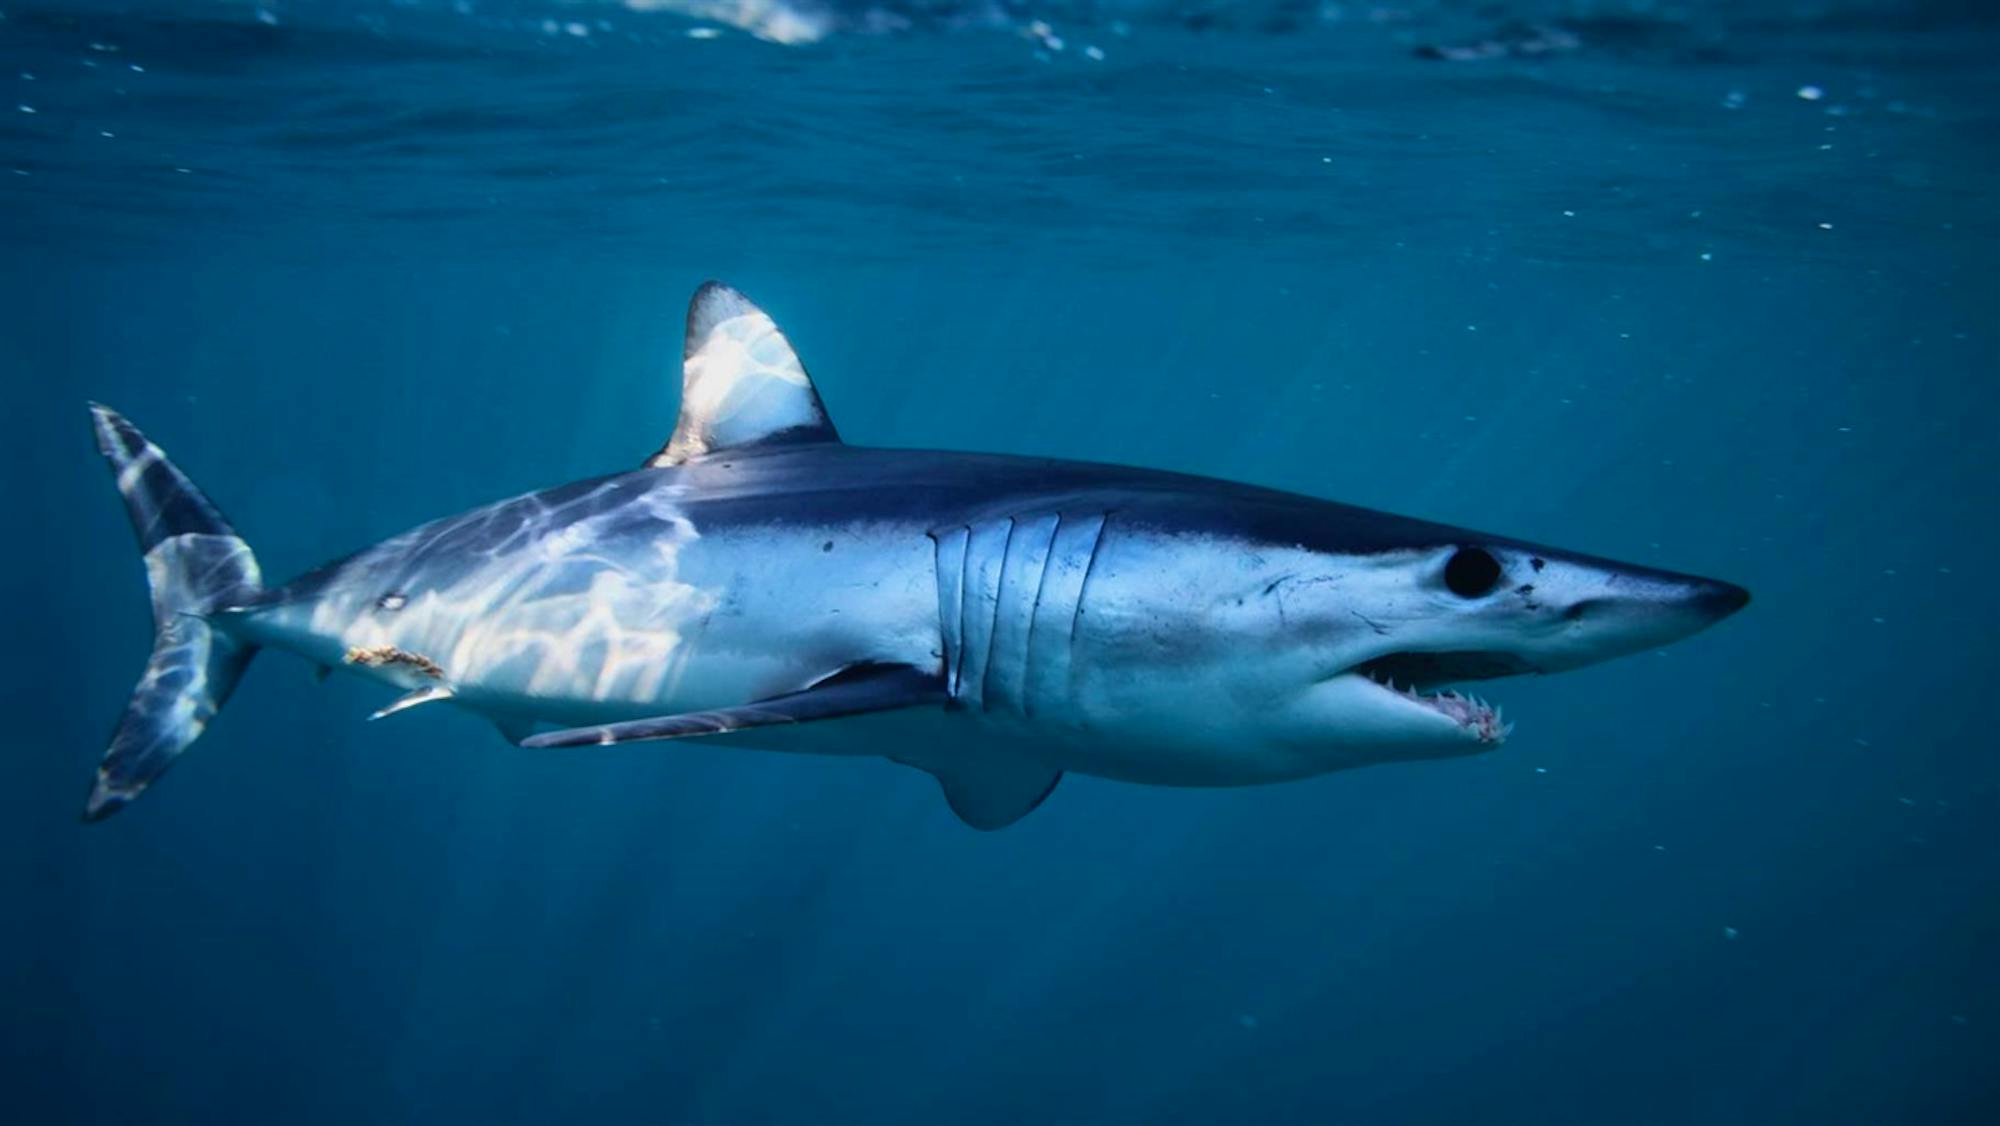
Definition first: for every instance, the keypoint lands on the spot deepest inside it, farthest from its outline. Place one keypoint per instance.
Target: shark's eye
(1471, 572)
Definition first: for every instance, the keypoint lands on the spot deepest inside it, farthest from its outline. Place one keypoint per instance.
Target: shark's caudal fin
(196, 565)
(741, 384)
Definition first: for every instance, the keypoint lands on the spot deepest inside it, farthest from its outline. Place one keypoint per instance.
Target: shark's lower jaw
(1414, 678)
(1483, 721)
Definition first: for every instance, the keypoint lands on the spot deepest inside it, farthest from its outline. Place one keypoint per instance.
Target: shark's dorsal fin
(741, 383)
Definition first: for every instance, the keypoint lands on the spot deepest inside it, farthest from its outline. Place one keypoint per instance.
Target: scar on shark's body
(994, 621)
(385, 656)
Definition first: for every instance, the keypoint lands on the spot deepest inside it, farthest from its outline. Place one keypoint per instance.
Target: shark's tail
(196, 565)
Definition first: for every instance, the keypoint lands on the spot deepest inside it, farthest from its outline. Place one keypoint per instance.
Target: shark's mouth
(1420, 677)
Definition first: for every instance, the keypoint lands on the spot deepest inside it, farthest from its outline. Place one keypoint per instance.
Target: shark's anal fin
(424, 695)
(991, 793)
(855, 690)
(742, 385)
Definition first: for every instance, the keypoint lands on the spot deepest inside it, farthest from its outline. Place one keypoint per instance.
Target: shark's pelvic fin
(855, 690)
(741, 383)
(422, 695)
(991, 793)
(513, 728)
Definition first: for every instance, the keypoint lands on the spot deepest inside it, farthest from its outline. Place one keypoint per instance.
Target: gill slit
(1083, 588)
(958, 656)
(1034, 611)
(993, 626)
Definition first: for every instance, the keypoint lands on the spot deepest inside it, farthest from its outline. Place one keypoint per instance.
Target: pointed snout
(1682, 608)
(1608, 609)
(1717, 599)
(1646, 607)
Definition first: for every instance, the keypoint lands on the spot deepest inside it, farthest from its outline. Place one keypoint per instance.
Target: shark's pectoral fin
(741, 384)
(991, 793)
(855, 690)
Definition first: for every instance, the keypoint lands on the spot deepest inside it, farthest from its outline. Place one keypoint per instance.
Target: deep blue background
(415, 266)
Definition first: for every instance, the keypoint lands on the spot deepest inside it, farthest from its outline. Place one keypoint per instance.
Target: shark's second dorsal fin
(741, 383)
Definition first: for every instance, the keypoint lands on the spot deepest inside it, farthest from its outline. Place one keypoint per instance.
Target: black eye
(1471, 572)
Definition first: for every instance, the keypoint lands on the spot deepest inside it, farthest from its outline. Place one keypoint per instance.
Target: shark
(996, 621)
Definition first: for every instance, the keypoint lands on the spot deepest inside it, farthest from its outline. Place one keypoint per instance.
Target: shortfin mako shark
(996, 621)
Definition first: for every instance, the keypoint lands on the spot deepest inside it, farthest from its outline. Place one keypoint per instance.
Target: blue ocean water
(1709, 286)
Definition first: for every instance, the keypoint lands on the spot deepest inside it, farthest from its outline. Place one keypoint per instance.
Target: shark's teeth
(1470, 712)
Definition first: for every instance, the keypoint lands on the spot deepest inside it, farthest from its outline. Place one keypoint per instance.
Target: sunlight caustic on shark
(996, 621)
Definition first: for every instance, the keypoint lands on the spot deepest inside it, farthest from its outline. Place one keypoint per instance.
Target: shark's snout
(1606, 610)
(1679, 606)
(1673, 606)
(1718, 599)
